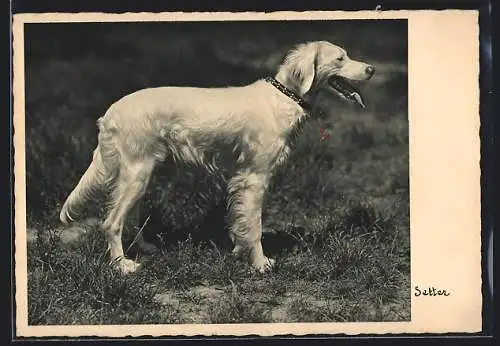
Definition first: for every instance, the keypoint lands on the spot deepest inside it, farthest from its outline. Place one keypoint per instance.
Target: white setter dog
(245, 130)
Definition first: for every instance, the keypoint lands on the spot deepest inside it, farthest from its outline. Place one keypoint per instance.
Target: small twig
(138, 234)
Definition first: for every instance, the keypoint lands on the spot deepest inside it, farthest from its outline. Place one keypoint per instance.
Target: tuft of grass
(237, 308)
(339, 310)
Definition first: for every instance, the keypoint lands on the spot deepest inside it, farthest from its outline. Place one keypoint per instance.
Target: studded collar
(299, 100)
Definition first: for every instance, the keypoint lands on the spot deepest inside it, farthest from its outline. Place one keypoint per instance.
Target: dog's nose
(370, 70)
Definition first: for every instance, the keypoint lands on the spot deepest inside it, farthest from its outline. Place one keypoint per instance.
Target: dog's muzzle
(346, 90)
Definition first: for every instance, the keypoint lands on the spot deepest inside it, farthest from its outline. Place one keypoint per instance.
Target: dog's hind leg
(129, 189)
(246, 196)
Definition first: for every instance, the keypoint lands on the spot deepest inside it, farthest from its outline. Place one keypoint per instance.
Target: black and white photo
(207, 173)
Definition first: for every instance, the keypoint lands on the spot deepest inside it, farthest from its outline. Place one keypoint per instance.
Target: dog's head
(321, 65)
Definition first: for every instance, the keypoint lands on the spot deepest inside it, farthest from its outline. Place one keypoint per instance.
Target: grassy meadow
(336, 217)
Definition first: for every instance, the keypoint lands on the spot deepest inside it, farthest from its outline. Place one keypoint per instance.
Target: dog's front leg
(246, 195)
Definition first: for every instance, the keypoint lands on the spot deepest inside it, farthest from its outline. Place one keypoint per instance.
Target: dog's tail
(98, 177)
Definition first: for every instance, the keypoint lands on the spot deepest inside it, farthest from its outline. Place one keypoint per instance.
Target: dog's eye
(340, 58)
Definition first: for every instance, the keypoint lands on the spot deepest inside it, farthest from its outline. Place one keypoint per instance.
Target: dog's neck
(306, 102)
(283, 77)
(290, 93)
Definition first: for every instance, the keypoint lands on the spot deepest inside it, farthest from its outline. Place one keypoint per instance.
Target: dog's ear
(301, 64)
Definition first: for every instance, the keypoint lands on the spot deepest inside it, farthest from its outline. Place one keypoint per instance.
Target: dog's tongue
(356, 97)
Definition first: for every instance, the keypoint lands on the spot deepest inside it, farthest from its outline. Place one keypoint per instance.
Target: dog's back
(207, 127)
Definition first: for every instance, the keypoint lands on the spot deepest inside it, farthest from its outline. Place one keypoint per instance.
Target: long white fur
(243, 130)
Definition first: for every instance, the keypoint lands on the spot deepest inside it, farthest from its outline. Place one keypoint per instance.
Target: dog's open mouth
(345, 90)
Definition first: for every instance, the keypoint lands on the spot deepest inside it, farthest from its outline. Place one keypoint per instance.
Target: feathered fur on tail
(99, 176)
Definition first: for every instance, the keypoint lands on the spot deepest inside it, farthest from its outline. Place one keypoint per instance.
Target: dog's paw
(127, 266)
(265, 265)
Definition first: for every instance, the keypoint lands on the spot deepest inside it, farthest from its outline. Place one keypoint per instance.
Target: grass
(351, 267)
(79, 286)
(336, 216)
